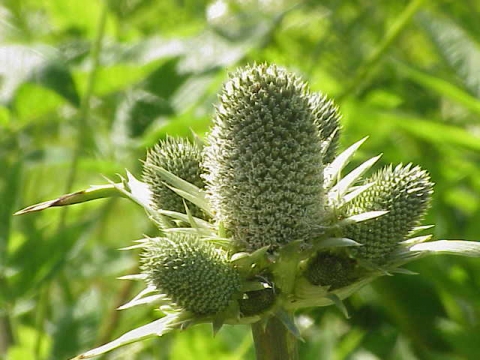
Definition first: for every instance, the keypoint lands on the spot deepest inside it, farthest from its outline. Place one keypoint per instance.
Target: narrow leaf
(289, 323)
(333, 170)
(343, 185)
(441, 86)
(185, 218)
(356, 192)
(338, 242)
(156, 328)
(339, 304)
(185, 189)
(362, 217)
(454, 247)
(196, 199)
(93, 193)
(139, 191)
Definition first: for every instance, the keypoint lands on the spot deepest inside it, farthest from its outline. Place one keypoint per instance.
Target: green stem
(273, 341)
(392, 34)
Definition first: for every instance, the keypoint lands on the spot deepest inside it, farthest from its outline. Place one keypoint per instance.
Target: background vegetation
(87, 86)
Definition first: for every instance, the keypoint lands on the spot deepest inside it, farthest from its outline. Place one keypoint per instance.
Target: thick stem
(274, 341)
(6, 334)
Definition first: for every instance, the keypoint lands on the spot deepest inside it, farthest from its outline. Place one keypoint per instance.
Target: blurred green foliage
(87, 86)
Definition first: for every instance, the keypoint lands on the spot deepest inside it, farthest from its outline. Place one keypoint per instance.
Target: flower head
(403, 191)
(193, 273)
(263, 160)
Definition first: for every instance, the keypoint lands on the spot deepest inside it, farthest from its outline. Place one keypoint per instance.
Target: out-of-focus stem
(274, 341)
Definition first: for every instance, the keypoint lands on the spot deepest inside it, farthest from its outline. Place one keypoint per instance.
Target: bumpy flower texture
(260, 220)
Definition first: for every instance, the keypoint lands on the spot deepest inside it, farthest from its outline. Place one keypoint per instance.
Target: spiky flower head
(180, 157)
(403, 191)
(264, 159)
(193, 273)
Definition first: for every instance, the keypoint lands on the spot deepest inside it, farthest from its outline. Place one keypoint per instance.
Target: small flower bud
(330, 269)
(257, 301)
(181, 158)
(404, 192)
(193, 273)
(264, 161)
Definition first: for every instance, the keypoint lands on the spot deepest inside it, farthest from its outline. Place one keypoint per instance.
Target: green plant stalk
(392, 34)
(273, 341)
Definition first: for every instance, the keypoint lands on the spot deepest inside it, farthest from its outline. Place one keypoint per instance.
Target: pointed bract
(181, 158)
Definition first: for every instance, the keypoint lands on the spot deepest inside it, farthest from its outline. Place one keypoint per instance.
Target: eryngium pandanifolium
(327, 119)
(193, 273)
(403, 191)
(180, 157)
(264, 159)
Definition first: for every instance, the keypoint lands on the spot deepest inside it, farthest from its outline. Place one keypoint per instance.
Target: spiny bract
(403, 191)
(264, 159)
(193, 273)
(180, 157)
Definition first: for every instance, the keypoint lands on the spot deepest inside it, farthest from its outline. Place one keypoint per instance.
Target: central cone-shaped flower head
(264, 159)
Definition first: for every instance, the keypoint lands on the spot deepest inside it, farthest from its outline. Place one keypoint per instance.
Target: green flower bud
(330, 269)
(327, 119)
(264, 162)
(404, 192)
(257, 301)
(182, 159)
(193, 273)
